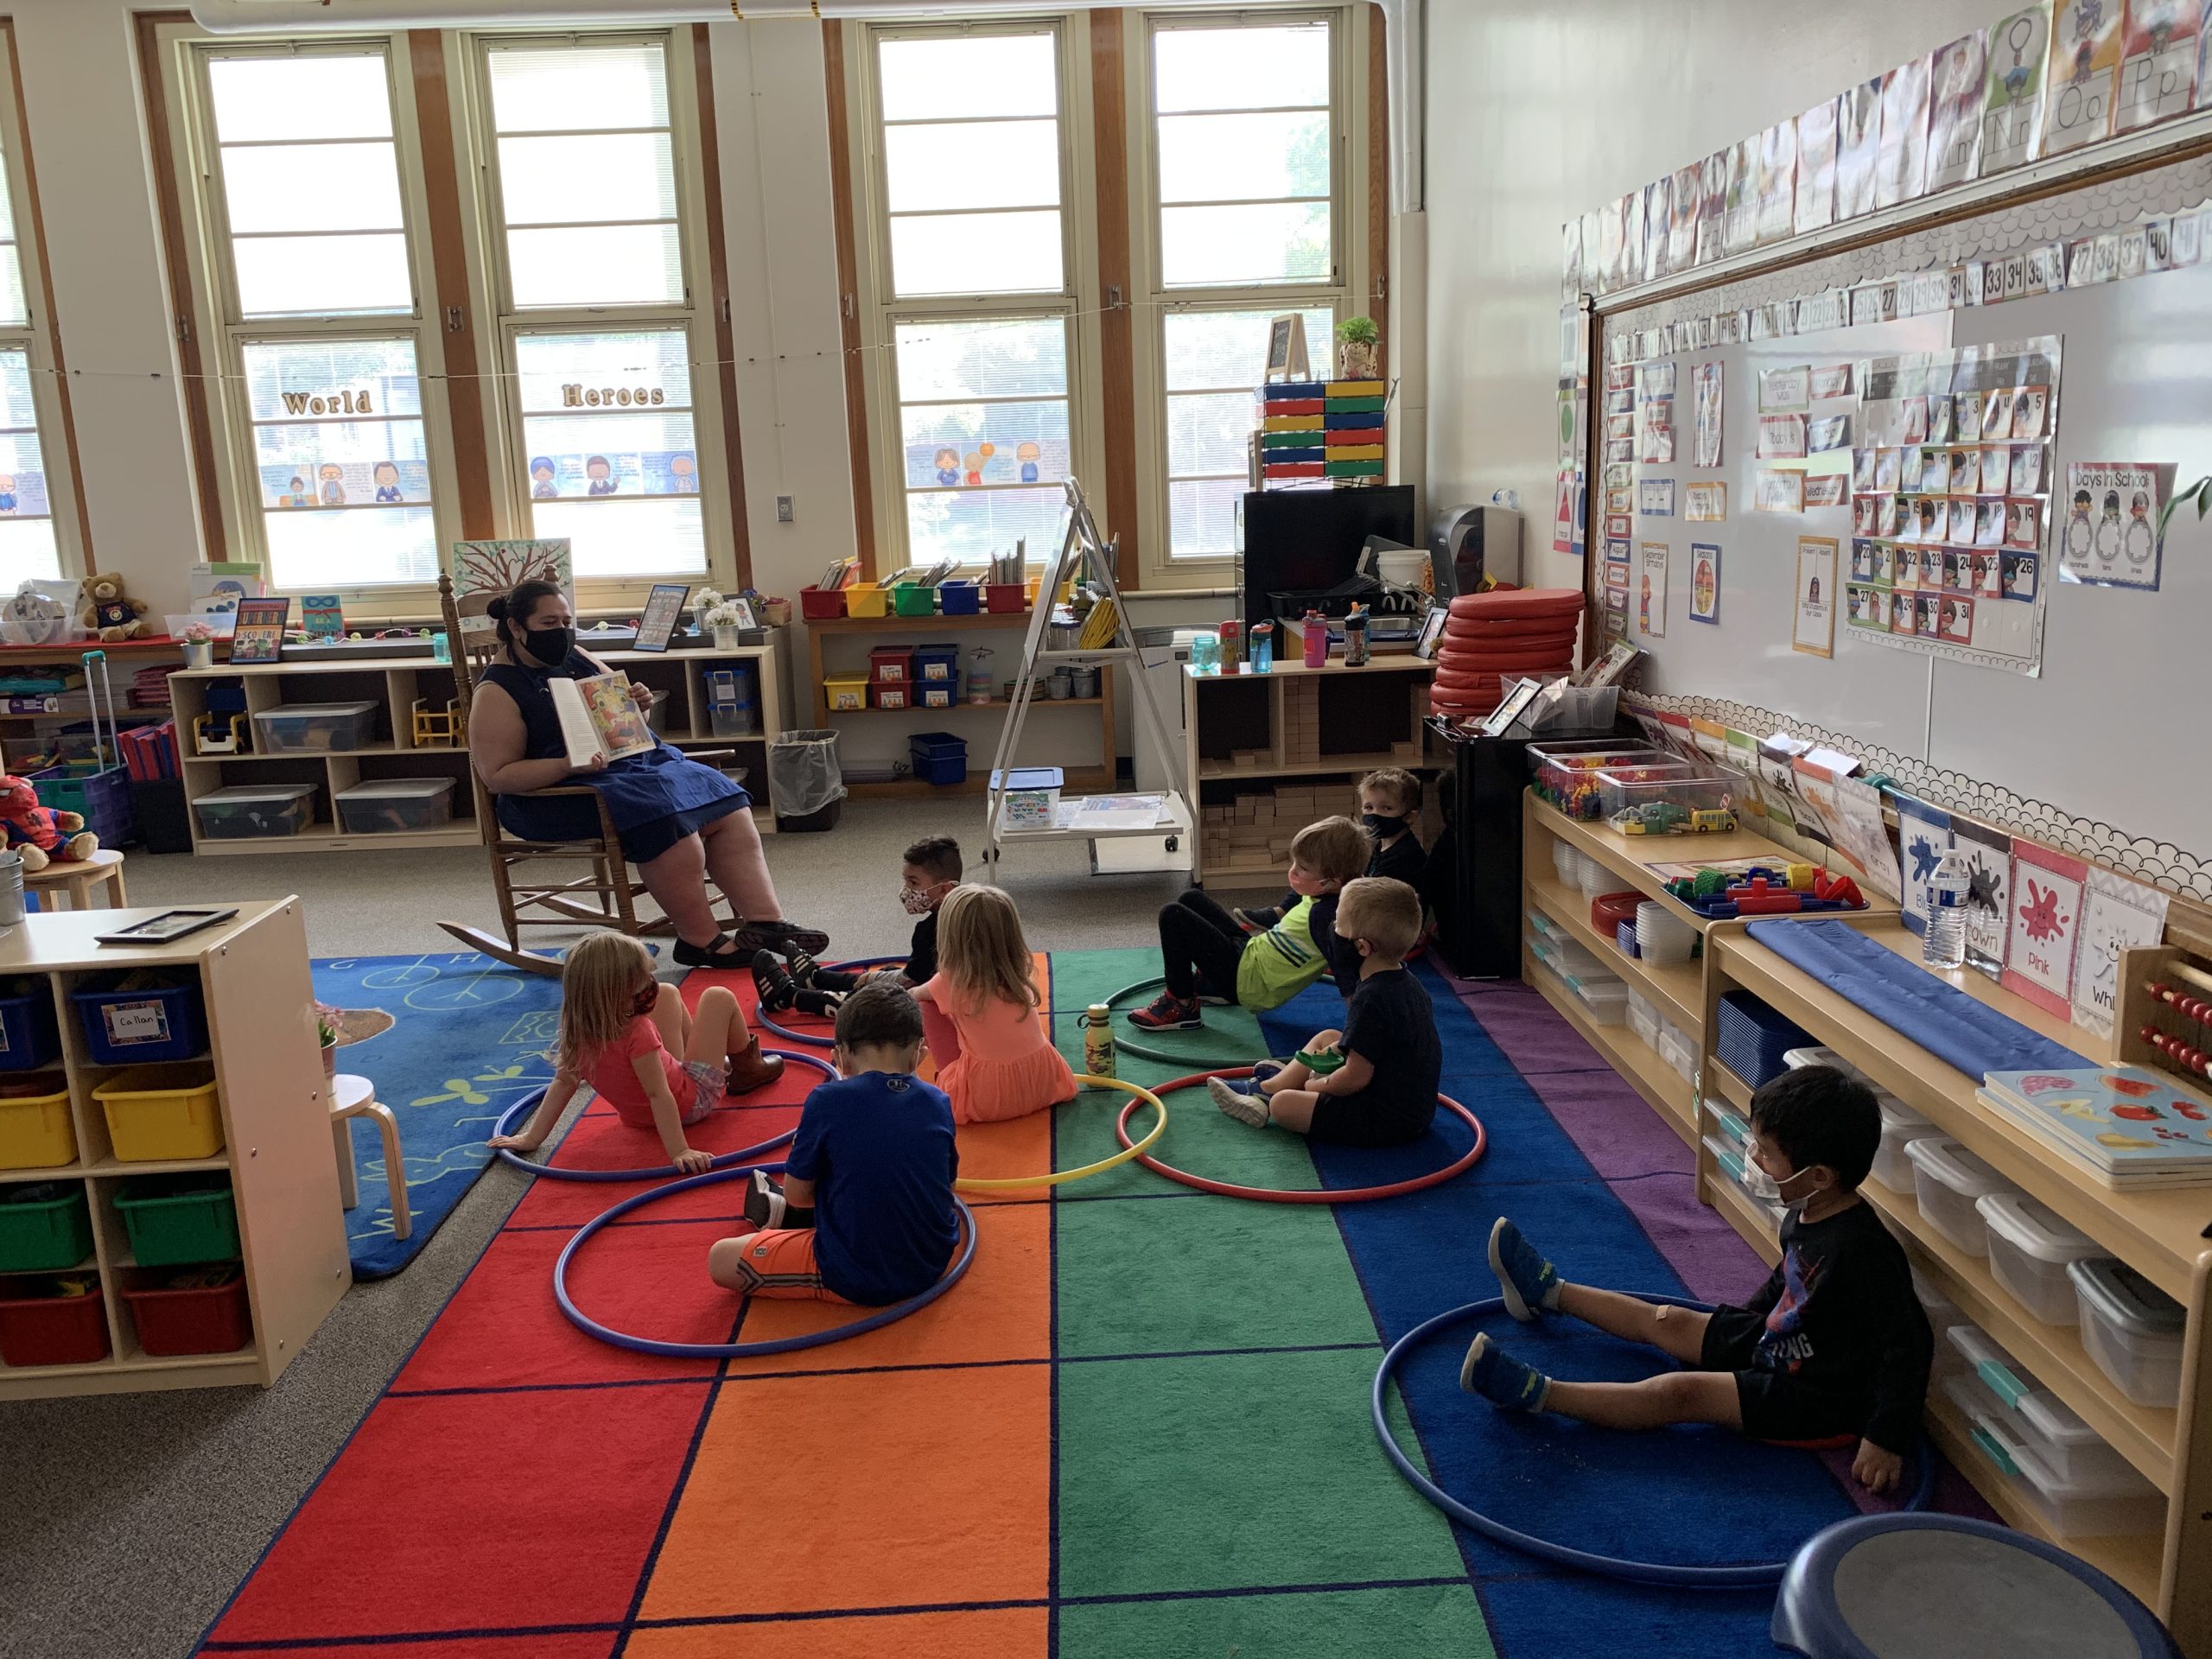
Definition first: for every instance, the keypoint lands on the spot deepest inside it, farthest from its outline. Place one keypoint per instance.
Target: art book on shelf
(2132, 1126)
(600, 716)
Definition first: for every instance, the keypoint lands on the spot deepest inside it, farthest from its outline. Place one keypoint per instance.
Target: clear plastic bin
(2005, 1391)
(1942, 1313)
(1643, 1021)
(2028, 1249)
(1797, 1059)
(1604, 999)
(396, 805)
(1948, 1180)
(1727, 1155)
(1680, 1053)
(316, 728)
(244, 811)
(2131, 1328)
(2110, 1506)
(1901, 1127)
(1663, 799)
(1564, 774)
(1733, 1127)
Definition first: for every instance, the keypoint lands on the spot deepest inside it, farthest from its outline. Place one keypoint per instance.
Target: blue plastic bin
(957, 598)
(30, 1036)
(139, 1026)
(939, 757)
(102, 794)
(939, 663)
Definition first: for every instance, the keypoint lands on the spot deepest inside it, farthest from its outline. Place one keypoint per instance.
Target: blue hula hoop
(873, 1321)
(760, 1015)
(723, 1160)
(1750, 1576)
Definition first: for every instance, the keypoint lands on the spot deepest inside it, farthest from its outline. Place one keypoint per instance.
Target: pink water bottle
(1317, 639)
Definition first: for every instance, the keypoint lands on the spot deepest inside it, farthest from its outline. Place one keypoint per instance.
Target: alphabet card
(2117, 915)
(2085, 41)
(2012, 106)
(2158, 64)
(2048, 889)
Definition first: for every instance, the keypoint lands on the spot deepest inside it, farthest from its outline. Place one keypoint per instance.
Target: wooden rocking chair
(605, 896)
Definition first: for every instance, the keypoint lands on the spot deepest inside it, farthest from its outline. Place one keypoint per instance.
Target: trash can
(805, 784)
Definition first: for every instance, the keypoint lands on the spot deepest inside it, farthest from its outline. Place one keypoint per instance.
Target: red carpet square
(570, 1645)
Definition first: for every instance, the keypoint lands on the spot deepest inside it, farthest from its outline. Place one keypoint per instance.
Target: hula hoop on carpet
(724, 1161)
(873, 1321)
(814, 1040)
(1303, 1195)
(1751, 1575)
(1061, 1177)
(1160, 1055)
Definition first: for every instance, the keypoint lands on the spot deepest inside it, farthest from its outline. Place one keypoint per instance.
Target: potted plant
(1358, 339)
(326, 1031)
(725, 620)
(703, 599)
(199, 645)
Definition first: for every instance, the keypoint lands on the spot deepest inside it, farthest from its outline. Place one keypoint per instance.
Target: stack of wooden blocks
(1301, 722)
(1255, 830)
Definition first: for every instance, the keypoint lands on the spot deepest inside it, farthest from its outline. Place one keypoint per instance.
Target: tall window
(1248, 216)
(973, 293)
(27, 545)
(598, 323)
(320, 384)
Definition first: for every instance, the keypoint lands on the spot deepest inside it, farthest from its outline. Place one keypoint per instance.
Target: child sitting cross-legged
(1206, 957)
(928, 872)
(979, 1014)
(1834, 1345)
(866, 1211)
(1383, 1093)
(658, 1067)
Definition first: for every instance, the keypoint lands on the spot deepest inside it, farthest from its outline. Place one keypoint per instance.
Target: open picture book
(600, 716)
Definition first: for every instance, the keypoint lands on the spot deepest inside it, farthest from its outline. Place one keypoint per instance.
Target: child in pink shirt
(979, 1012)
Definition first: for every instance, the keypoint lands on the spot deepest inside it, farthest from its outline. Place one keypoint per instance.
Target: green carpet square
(1314, 1625)
(1245, 1276)
(1242, 1472)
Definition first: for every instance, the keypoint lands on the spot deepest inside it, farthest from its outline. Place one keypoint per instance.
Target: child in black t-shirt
(1389, 811)
(1834, 1345)
(928, 871)
(1384, 1092)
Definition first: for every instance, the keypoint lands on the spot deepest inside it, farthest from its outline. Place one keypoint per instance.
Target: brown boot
(752, 1068)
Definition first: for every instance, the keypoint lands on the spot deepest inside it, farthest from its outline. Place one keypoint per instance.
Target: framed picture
(1502, 718)
(663, 606)
(1432, 634)
(260, 635)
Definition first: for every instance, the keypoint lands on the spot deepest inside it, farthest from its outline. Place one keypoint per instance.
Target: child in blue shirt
(866, 1213)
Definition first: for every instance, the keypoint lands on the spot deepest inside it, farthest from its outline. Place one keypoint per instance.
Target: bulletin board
(2037, 702)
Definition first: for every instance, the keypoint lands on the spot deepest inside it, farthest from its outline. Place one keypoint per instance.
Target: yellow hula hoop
(1061, 1177)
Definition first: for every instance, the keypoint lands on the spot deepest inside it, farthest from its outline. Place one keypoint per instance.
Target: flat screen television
(1297, 539)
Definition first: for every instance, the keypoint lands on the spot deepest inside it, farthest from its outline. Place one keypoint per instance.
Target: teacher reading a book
(678, 821)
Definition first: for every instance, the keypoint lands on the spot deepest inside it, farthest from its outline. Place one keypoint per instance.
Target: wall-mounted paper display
(1651, 592)
(1712, 207)
(2110, 536)
(1704, 581)
(1705, 503)
(1955, 112)
(1812, 630)
(2084, 42)
(1816, 203)
(1857, 147)
(1739, 221)
(1682, 218)
(2157, 62)
(1656, 197)
(1778, 182)
(2012, 97)
(1901, 170)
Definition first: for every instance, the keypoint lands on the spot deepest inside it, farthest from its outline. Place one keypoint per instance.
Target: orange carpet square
(998, 1633)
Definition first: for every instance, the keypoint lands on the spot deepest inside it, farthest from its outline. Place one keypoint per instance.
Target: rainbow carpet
(1139, 1426)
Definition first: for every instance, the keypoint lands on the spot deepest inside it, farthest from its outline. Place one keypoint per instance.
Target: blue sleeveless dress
(655, 799)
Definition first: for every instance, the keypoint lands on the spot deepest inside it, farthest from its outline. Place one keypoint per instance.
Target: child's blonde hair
(1383, 911)
(1336, 849)
(1402, 786)
(980, 948)
(599, 979)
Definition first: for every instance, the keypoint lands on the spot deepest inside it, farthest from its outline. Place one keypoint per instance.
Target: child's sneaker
(763, 1202)
(1501, 1379)
(802, 970)
(779, 992)
(1168, 1013)
(1250, 1110)
(1261, 1073)
(1256, 921)
(1528, 1283)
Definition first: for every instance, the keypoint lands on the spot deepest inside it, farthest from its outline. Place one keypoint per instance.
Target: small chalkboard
(1286, 348)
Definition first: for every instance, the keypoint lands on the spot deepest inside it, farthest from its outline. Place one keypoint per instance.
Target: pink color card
(2045, 916)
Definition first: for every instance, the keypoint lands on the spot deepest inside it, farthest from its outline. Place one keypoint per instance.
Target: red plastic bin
(891, 663)
(821, 604)
(191, 1319)
(48, 1329)
(1002, 597)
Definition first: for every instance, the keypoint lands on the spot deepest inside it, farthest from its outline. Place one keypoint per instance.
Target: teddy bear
(108, 612)
(39, 833)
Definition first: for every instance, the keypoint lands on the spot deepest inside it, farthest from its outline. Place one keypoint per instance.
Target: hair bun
(496, 608)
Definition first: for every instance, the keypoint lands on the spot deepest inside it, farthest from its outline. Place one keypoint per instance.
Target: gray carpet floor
(127, 1520)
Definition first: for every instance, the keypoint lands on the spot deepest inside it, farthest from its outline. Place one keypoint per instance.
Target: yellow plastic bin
(845, 692)
(868, 599)
(35, 1132)
(162, 1112)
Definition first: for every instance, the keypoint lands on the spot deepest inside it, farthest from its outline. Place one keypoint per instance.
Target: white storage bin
(2131, 1328)
(1596, 878)
(2000, 1390)
(1942, 1313)
(1641, 1022)
(1901, 1126)
(1574, 958)
(1947, 1181)
(2106, 1507)
(1604, 999)
(396, 805)
(1680, 1053)
(1796, 1058)
(2028, 1249)
(1639, 1003)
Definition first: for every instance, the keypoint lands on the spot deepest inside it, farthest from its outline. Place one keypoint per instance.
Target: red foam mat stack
(1507, 633)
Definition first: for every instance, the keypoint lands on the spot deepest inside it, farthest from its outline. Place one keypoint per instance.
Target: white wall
(1539, 114)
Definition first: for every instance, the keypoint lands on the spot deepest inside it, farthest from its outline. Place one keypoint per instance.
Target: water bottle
(1260, 655)
(1356, 637)
(1315, 638)
(1944, 944)
(1098, 1041)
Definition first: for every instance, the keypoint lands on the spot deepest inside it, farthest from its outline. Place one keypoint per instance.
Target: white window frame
(35, 336)
(1348, 281)
(882, 314)
(224, 332)
(509, 461)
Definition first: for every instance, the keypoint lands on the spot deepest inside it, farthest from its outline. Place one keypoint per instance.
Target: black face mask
(550, 646)
(1375, 825)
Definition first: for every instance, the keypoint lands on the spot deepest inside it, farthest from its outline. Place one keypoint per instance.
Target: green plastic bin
(175, 1221)
(44, 1227)
(912, 599)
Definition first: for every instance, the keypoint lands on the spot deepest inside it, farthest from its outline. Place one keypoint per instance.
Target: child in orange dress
(980, 1011)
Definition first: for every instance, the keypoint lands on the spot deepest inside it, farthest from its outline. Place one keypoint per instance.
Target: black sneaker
(785, 937)
(763, 1202)
(803, 969)
(779, 994)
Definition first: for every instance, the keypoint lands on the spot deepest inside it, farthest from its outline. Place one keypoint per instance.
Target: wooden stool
(77, 878)
(350, 1097)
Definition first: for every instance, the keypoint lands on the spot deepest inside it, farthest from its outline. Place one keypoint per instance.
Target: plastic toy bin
(866, 598)
(173, 1220)
(1031, 800)
(316, 728)
(44, 1226)
(100, 794)
(145, 1014)
(204, 1312)
(957, 597)
(820, 604)
(1901, 1127)
(2132, 1329)
(887, 663)
(52, 1322)
(939, 758)
(844, 693)
(1947, 1181)
(35, 1132)
(1565, 774)
(30, 1036)
(244, 811)
(2028, 1249)
(162, 1112)
(937, 663)
(913, 598)
(2000, 1389)
(395, 805)
(1660, 799)
(1006, 598)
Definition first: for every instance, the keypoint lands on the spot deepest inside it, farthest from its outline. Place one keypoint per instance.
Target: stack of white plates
(1661, 935)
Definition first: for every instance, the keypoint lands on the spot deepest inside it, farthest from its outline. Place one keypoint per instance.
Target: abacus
(2193, 1010)
(2164, 1017)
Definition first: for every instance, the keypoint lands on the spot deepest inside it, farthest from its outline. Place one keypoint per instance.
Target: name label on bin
(136, 1023)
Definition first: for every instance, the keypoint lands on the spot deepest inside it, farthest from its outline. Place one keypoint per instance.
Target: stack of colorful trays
(1293, 439)
(1517, 632)
(1751, 1040)
(1352, 422)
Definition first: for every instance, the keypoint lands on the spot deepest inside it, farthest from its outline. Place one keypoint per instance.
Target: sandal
(720, 951)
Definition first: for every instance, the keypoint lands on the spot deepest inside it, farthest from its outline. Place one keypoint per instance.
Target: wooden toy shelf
(273, 1098)
(678, 679)
(2158, 1233)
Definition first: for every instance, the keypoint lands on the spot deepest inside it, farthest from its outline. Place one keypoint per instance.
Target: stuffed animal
(39, 833)
(108, 613)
